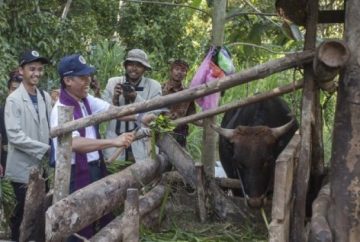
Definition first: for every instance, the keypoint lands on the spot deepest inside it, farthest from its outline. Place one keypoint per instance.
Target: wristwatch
(139, 117)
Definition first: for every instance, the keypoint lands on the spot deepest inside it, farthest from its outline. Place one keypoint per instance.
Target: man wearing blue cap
(132, 88)
(87, 163)
(27, 128)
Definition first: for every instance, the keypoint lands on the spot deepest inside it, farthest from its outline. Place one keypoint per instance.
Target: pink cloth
(208, 71)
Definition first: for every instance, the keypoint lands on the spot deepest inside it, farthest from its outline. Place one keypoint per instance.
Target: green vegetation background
(104, 30)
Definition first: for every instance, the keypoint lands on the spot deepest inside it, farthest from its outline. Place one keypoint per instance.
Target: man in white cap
(132, 88)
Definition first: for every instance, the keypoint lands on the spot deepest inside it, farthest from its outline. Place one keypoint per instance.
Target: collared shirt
(97, 105)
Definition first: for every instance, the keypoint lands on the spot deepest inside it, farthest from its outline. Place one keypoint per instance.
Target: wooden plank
(280, 224)
(283, 179)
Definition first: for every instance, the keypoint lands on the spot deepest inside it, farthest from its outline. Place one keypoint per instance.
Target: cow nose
(255, 202)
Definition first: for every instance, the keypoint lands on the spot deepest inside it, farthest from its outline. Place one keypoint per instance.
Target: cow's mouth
(256, 202)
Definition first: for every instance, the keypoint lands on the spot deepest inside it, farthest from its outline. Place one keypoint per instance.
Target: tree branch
(168, 4)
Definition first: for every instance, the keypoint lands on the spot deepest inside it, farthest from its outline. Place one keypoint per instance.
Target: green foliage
(7, 200)
(117, 166)
(215, 233)
(107, 56)
(162, 31)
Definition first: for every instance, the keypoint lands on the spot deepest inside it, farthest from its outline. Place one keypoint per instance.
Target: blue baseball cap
(74, 65)
(29, 56)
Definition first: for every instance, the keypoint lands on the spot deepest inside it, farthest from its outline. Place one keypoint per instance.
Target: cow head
(254, 157)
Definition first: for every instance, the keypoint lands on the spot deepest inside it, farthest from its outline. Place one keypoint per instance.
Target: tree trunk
(208, 154)
(90, 203)
(320, 231)
(33, 223)
(254, 73)
(308, 115)
(345, 159)
(66, 9)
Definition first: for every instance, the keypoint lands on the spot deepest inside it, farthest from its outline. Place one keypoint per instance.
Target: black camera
(127, 87)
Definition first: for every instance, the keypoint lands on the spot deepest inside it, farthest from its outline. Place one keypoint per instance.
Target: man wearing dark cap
(12, 84)
(26, 112)
(132, 88)
(87, 163)
(178, 72)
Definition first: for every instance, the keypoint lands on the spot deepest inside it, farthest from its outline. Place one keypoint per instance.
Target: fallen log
(319, 228)
(179, 157)
(131, 219)
(253, 99)
(90, 203)
(114, 230)
(33, 223)
(251, 74)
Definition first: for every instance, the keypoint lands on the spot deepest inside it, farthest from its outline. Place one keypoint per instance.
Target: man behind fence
(87, 163)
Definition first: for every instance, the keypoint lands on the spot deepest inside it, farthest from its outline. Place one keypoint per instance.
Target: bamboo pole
(251, 74)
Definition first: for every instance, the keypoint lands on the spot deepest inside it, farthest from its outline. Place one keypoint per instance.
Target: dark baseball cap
(74, 65)
(31, 56)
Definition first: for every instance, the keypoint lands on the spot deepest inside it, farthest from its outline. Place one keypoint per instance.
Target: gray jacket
(151, 89)
(27, 131)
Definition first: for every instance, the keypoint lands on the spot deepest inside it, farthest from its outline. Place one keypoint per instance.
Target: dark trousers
(95, 173)
(15, 220)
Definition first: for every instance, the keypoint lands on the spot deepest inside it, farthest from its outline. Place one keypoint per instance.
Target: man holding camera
(132, 88)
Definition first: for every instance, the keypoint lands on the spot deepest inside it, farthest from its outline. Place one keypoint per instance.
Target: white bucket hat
(139, 56)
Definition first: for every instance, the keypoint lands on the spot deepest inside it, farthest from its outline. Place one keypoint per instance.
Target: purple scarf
(82, 176)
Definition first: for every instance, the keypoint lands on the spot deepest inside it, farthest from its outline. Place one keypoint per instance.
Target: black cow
(251, 138)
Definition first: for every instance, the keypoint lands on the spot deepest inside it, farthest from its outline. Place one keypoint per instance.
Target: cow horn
(279, 131)
(227, 133)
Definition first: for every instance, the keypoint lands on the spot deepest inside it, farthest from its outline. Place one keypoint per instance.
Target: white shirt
(97, 105)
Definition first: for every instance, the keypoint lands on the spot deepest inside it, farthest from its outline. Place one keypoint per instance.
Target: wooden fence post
(131, 216)
(64, 152)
